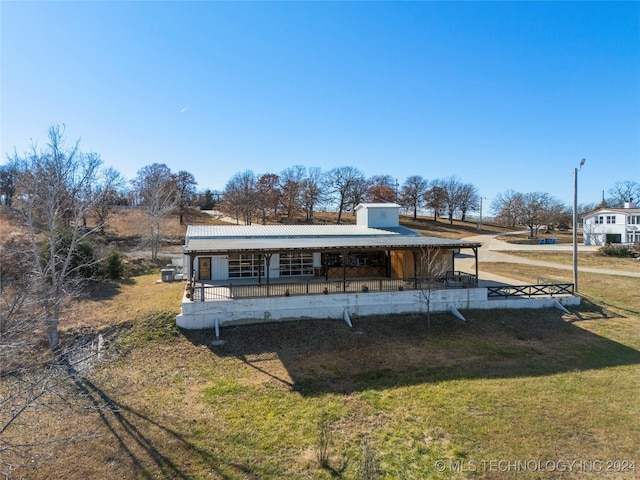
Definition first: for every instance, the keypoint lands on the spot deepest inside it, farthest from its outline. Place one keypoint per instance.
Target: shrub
(114, 265)
(621, 251)
(82, 263)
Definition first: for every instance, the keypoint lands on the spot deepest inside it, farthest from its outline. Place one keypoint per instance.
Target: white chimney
(630, 204)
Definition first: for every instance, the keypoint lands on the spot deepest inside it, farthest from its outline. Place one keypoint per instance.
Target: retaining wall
(198, 315)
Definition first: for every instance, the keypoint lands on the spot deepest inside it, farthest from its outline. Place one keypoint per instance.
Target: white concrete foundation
(199, 315)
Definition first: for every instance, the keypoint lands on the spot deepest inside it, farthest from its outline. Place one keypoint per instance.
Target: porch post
(415, 252)
(192, 275)
(345, 253)
(387, 263)
(267, 257)
(475, 253)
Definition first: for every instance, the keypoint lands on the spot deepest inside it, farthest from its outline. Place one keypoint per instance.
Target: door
(204, 268)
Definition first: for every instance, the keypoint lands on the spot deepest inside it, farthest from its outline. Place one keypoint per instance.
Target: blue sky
(502, 95)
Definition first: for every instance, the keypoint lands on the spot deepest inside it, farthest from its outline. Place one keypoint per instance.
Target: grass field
(585, 259)
(515, 386)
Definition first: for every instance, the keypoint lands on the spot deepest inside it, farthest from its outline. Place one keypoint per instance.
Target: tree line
(302, 191)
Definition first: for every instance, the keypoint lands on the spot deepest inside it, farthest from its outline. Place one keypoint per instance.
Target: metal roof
(226, 245)
(376, 205)
(221, 239)
(287, 231)
(624, 211)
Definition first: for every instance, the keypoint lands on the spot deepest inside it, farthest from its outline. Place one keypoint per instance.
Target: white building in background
(612, 225)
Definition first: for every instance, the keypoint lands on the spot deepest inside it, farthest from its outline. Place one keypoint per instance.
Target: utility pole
(575, 225)
(480, 220)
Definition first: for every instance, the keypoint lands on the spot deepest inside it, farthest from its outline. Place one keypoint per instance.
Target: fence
(531, 290)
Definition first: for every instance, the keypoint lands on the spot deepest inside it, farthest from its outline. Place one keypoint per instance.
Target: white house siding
(378, 215)
(600, 226)
(220, 266)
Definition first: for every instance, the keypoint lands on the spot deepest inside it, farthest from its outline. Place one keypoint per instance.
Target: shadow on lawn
(149, 446)
(320, 356)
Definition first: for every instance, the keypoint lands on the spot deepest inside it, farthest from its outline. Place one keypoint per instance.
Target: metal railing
(531, 290)
(204, 292)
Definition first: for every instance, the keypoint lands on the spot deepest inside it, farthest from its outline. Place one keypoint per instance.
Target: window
(611, 219)
(599, 219)
(241, 266)
(296, 264)
(633, 237)
(633, 219)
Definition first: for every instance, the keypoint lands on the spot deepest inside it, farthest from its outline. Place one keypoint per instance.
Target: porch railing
(201, 293)
(531, 290)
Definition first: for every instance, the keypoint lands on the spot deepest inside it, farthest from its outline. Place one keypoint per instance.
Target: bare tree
(158, 192)
(341, 181)
(312, 192)
(622, 192)
(452, 188)
(435, 199)
(469, 200)
(506, 207)
(241, 196)
(382, 188)
(186, 190)
(40, 265)
(536, 210)
(433, 264)
(53, 196)
(357, 193)
(269, 194)
(412, 193)
(107, 192)
(291, 185)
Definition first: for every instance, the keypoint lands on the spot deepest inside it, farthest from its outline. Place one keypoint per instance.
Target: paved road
(492, 250)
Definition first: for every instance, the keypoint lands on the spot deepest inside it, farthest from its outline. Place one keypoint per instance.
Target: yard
(506, 394)
(394, 396)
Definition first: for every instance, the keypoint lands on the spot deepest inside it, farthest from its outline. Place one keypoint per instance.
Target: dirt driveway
(492, 250)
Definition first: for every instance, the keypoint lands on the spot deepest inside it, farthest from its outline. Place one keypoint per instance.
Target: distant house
(612, 225)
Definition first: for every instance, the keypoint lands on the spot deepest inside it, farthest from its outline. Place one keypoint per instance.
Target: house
(261, 273)
(377, 246)
(612, 225)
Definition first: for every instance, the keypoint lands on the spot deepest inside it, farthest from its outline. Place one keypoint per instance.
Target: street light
(575, 226)
(480, 219)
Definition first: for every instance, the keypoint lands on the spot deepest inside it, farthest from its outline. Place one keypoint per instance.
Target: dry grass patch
(127, 301)
(443, 229)
(585, 259)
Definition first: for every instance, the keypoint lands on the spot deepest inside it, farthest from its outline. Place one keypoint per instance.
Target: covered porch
(362, 265)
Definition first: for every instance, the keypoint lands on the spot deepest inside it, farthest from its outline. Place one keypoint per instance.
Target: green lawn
(505, 390)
